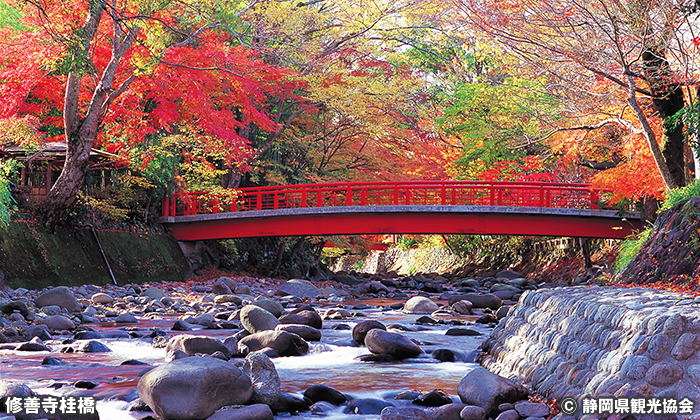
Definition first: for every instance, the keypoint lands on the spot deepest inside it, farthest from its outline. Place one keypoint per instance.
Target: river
(330, 361)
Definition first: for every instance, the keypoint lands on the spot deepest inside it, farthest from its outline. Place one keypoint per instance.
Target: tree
(636, 46)
(125, 71)
(371, 116)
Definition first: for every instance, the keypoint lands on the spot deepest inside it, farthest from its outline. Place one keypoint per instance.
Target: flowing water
(331, 362)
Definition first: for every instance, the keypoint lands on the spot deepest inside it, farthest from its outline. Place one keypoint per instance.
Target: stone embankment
(579, 341)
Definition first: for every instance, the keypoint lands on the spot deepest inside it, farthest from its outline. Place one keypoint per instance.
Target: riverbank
(31, 257)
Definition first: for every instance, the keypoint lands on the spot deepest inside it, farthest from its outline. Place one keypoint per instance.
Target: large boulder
(283, 342)
(303, 331)
(263, 375)
(396, 345)
(58, 322)
(304, 315)
(13, 389)
(299, 288)
(256, 319)
(272, 306)
(59, 296)
(420, 305)
(487, 390)
(194, 344)
(193, 387)
(487, 300)
(362, 328)
(320, 392)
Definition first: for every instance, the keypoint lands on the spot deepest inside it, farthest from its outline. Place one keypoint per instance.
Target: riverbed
(332, 361)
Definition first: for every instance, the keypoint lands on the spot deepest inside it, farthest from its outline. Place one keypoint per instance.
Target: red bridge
(418, 207)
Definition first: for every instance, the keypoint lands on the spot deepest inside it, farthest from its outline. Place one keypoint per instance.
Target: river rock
(220, 288)
(256, 319)
(15, 305)
(462, 332)
(396, 345)
(102, 298)
(487, 390)
(448, 412)
(13, 389)
(508, 274)
(193, 387)
(251, 412)
(34, 345)
(289, 403)
(367, 406)
(434, 398)
(532, 409)
(92, 346)
(320, 392)
(463, 307)
(303, 316)
(193, 344)
(36, 330)
(242, 289)
(59, 296)
(126, 318)
(508, 415)
(303, 331)
(58, 322)
(272, 306)
(154, 293)
(228, 281)
(345, 278)
(299, 288)
(420, 305)
(264, 378)
(362, 328)
(182, 325)
(282, 342)
(488, 300)
(404, 413)
(472, 412)
(229, 299)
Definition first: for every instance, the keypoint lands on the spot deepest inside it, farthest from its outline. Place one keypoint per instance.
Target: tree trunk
(231, 179)
(585, 246)
(64, 192)
(650, 136)
(668, 99)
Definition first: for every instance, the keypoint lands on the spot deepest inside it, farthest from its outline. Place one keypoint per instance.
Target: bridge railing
(441, 193)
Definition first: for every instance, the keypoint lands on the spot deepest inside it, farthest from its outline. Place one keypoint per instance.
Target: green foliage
(681, 195)
(9, 16)
(406, 242)
(630, 248)
(489, 251)
(8, 169)
(230, 249)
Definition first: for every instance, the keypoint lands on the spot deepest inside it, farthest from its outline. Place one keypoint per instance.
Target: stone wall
(404, 262)
(33, 258)
(600, 340)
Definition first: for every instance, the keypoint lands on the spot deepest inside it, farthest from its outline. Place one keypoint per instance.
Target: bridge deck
(355, 220)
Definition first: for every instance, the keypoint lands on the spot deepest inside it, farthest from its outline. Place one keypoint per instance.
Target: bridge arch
(423, 207)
